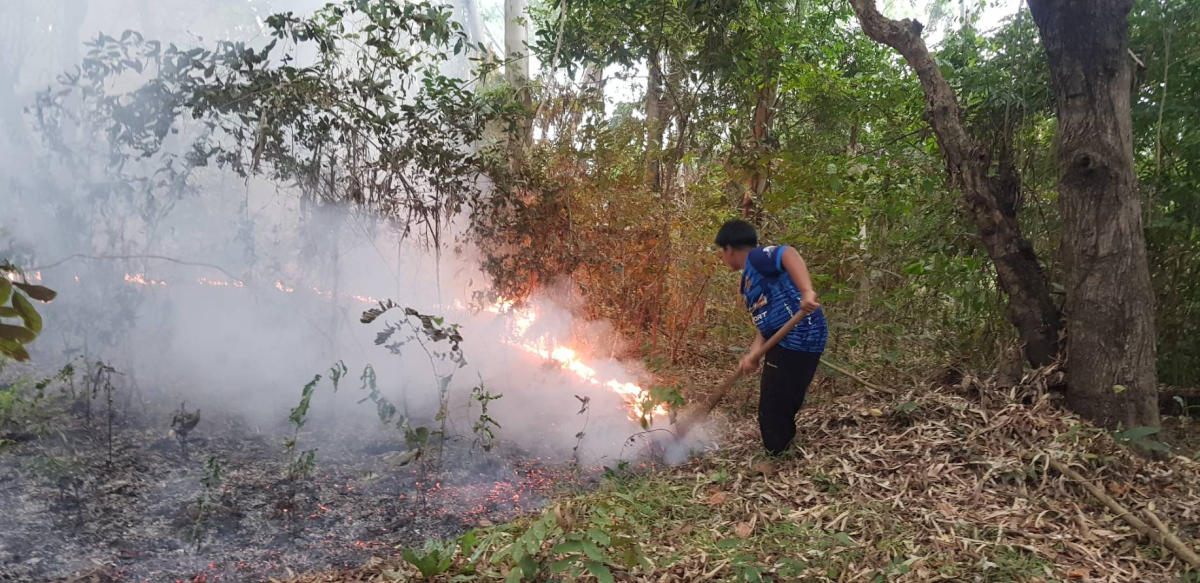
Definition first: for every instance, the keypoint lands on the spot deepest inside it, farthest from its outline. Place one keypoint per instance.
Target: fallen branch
(158, 257)
(1159, 533)
(861, 381)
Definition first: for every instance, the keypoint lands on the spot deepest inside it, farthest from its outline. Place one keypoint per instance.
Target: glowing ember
(141, 279)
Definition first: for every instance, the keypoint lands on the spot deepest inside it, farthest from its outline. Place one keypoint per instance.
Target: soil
(68, 512)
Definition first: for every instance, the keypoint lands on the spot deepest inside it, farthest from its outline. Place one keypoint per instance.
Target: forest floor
(932, 483)
(71, 511)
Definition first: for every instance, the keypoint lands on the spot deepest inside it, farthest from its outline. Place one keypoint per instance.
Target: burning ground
(71, 511)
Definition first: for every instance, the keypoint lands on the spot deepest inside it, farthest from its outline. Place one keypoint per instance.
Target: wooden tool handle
(715, 397)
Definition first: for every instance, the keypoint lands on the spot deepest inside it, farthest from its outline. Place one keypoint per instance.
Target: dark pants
(785, 379)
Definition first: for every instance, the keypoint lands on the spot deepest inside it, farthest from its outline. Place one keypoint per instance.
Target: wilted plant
(211, 481)
(302, 466)
(182, 424)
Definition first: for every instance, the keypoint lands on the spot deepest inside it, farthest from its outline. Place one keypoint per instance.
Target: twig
(1159, 533)
(159, 257)
(861, 381)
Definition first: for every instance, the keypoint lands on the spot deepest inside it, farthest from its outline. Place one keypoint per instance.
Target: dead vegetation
(964, 482)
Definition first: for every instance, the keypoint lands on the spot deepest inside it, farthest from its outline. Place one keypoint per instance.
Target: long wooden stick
(1159, 533)
(715, 397)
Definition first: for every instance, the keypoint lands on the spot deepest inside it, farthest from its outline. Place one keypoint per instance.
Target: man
(775, 285)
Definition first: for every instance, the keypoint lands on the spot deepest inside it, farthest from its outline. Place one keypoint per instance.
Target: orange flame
(633, 394)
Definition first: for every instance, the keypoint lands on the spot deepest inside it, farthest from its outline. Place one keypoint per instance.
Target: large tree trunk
(516, 70)
(1030, 307)
(1110, 302)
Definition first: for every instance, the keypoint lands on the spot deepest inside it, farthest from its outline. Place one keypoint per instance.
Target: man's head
(735, 239)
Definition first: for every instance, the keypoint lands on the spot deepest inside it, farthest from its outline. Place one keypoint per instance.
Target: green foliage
(15, 305)
(484, 425)
(1139, 437)
(433, 559)
(208, 498)
(302, 466)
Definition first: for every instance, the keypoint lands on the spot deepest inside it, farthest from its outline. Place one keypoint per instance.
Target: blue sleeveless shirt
(773, 298)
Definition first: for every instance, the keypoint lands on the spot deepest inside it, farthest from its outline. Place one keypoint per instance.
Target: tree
(516, 71)
(1030, 307)
(1109, 301)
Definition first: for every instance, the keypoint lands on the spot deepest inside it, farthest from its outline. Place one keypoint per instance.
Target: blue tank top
(773, 298)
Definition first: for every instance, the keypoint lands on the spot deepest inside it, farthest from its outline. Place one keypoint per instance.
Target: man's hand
(748, 364)
(808, 302)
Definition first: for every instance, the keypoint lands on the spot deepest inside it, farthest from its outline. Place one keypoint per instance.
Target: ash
(67, 512)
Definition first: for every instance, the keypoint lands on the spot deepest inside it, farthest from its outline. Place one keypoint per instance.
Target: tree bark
(516, 71)
(1109, 299)
(764, 118)
(1030, 307)
(655, 119)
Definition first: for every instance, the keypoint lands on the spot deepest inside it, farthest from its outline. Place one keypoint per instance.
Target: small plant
(304, 464)
(484, 435)
(1139, 437)
(432, 559)
(585, 410)
(211, 481)
(429, 335)
(182, 424)
(100, 379)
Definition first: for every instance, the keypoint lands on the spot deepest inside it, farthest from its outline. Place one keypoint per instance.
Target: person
(775, 284)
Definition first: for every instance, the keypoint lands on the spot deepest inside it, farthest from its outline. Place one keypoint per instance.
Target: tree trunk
(655, 125)
(1030, 307)
(764, 117)
(516, 71)
(1109, 299)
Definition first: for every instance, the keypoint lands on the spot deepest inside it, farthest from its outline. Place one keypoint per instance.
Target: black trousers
(785, 378)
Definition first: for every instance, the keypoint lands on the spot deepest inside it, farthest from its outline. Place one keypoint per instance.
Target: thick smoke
(232, 296)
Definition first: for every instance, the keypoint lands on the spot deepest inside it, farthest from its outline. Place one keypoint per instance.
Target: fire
(521, 322)
(141, 279)
(569, 360)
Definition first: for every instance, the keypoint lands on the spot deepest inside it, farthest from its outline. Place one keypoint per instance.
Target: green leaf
(568, 547)
(1137, 433)
(514, 576)
(529, 566)
(593, 552)
(17, 334)
(14, 351)
(560, 566)
(599, 536)
(9, 313)
(728, 543)
(5, 289)
(32, 319)
(844, 538)
(831, 169)
(1118, 389)
(599, 571)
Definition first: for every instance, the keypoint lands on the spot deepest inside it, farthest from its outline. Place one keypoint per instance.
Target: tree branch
(117, 257)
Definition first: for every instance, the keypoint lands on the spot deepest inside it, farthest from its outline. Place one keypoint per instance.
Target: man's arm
(747, 364)
(798, 271)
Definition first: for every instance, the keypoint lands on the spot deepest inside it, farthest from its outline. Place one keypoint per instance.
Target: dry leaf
(875, 412)
(743, 529)
(1078, 574)
(717, 498)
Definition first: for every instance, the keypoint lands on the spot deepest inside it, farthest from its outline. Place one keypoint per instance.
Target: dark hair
(737, 233)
